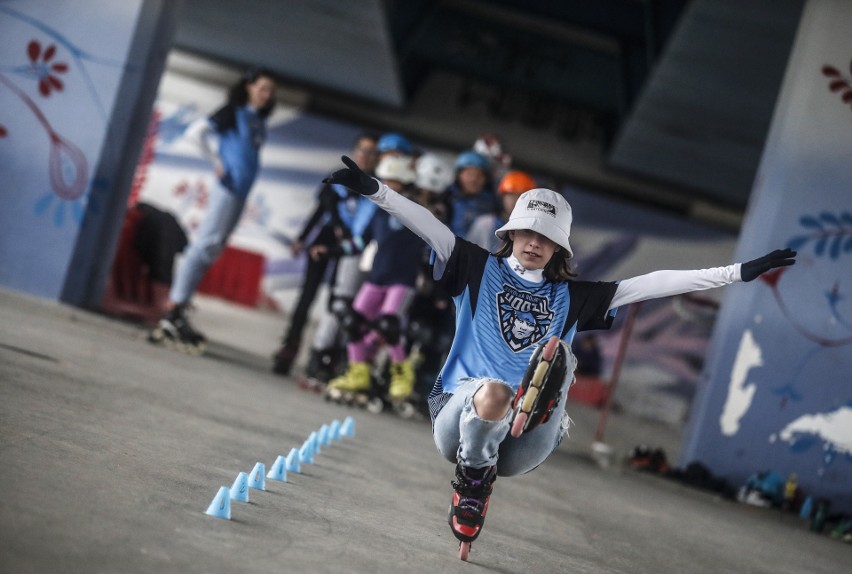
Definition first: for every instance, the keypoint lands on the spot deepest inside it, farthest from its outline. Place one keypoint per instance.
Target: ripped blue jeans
(463, 437)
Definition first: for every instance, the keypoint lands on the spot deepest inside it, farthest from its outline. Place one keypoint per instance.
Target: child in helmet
(380, 308)
(326, 352)
(511, 186)
(490, 146)
(472, 193)
(394, 144)
(507, 303)
(329, 225)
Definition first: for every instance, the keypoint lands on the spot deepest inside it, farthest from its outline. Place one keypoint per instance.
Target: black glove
(353, 178)
(779, 258)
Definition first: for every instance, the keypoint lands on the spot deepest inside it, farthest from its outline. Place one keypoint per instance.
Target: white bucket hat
(543, 211)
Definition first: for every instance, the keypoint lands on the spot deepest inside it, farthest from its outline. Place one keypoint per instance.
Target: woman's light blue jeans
(223, 214)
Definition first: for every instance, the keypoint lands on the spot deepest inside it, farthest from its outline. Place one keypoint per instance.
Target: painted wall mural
(778, 392)
(60, 67)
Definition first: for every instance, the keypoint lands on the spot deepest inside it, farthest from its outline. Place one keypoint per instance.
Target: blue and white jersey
(501, 317)
(242, 132)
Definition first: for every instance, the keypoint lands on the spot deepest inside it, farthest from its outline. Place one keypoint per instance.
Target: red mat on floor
(235, 276)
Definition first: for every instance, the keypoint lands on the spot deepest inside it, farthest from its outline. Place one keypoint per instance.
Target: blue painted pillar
(777, 385)
(75, 99)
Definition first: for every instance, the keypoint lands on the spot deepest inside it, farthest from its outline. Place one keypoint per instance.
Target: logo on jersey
(524, 317)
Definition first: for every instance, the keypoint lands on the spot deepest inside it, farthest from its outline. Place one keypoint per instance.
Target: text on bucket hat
(543, 211)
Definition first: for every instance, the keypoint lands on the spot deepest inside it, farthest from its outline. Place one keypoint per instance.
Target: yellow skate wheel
(529, 400)
(539, 374)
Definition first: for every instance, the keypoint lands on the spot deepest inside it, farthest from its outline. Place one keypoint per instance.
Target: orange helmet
(516, 182)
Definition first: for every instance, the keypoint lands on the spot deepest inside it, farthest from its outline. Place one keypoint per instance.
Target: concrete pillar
(777, 385)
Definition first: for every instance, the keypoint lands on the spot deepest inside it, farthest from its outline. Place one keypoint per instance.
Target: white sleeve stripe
(419, 220)
(666, 283)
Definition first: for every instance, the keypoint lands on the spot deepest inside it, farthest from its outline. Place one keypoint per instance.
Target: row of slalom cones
(256, 479)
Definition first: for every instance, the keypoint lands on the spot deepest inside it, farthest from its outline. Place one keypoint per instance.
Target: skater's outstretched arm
(413, 215)
(202, 134)
(667, 283)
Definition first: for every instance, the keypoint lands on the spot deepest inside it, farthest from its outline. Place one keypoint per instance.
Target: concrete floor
(112, 449)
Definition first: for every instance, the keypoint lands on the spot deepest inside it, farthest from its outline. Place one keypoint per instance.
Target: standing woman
(240, 128)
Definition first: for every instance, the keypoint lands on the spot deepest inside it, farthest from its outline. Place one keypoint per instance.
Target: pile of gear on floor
(766, 489)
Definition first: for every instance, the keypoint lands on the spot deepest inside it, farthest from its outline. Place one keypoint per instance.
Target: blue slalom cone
(221, 505)
(256, 478)
(294, 461)
(278, 470)
(306, 453)
(348, 428)
(315, 443)
(334, 430)
(323, 436)
(240, 489)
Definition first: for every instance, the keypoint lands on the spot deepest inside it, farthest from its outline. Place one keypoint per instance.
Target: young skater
(507, 303)
(380, 309)
(472, 192)
(240, 127)
(326, 227)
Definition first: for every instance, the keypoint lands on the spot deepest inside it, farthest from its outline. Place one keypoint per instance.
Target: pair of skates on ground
(384, 384)
(174, 331)
(535, 402)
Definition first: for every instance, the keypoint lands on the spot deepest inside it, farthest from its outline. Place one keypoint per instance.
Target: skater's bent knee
(492, 400)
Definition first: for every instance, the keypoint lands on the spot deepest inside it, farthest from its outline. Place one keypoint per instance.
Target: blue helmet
(395, 142)
(471, 158)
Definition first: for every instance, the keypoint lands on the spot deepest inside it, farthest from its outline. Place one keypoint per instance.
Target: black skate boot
(283, 359)
(473, 487)
(538, 394)
(317, 372)
(176, 332)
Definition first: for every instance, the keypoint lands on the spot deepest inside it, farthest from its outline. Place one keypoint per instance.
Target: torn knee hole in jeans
(469, 414)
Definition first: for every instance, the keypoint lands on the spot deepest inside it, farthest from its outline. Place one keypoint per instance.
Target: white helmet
(433, 173)
(396, 168)
(490, 146)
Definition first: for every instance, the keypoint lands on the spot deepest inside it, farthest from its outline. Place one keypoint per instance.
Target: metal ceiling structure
(683, 90)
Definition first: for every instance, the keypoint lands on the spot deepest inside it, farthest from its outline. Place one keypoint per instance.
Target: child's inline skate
(354, 388)
(174, 331)
(401, 388)
(473, 487)
(538, 394)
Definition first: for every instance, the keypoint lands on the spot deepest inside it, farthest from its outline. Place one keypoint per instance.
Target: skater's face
(260, 92)
(366, 155)
(471, 180)
(532, 249)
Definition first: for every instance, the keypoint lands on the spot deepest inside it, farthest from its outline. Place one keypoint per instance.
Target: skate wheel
(464, 550)
(375, 405)
(539, 374)
(550, 349)
(405, 410)
(519, 424)
(529, 400)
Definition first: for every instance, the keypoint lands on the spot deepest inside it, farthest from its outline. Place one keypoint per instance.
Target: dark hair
(560, 267)
(365, 136)
(238, 95)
